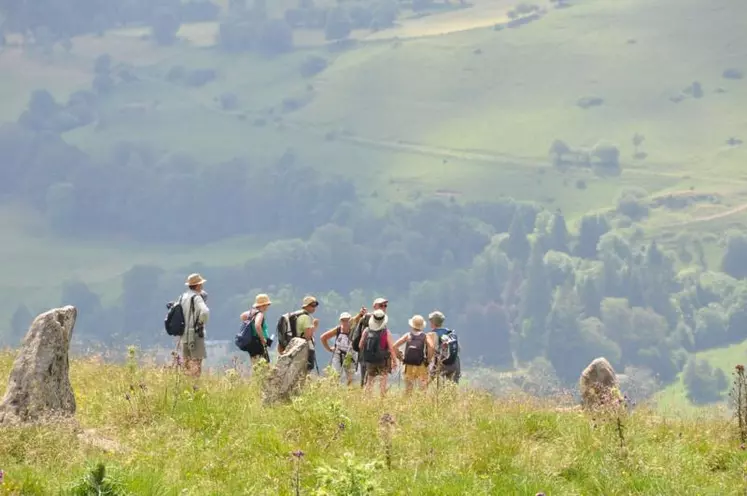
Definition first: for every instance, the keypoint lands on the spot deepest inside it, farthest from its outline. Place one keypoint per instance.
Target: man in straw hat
(255, 317)
(342, 354)
(418, 354)
(306, 326)
(196, 314)
(377, 348)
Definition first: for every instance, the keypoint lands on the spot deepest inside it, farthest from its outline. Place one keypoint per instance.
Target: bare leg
(383, 384)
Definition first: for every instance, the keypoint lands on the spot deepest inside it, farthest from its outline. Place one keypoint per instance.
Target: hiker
(377, 348)
(447, 363)
(342, 354)
(418, 354)
(359, 323)
(255, 343)
(306, 326)
(196, 314)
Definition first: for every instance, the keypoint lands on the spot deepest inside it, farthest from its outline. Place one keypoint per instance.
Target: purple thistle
(2, 476)
(298, 454)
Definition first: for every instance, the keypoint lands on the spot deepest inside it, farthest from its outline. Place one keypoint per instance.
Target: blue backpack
(246, 333)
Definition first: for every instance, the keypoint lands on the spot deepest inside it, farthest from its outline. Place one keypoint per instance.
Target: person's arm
(203, 312)
(309, 331)
(392, 351)
(357, 318)
(363, 339)
(258, 319)
(324, 338)
(430, 351)
(245, 316)
(401, 341)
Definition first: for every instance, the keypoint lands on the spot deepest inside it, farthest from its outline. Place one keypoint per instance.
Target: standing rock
(599, 384)
(288, 375)
(39, 386)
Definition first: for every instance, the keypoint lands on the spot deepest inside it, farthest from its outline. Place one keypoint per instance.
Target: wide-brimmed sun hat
(194, 280)
(417, 322)
(261, 300)
(378, 320)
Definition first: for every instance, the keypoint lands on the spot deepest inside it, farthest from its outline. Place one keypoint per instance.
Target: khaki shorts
(416, 372)
(376, 370)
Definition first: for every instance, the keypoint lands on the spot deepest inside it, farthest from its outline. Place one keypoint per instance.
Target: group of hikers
(362, 342)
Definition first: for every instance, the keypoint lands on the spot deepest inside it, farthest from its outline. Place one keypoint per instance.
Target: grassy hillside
(156, 435)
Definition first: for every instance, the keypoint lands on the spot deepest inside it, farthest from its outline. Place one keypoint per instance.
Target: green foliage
(704, 384)
(349, 477)
(97, 482)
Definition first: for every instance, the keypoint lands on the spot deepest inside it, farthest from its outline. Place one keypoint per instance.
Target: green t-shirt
(264, 327)
(303, 322)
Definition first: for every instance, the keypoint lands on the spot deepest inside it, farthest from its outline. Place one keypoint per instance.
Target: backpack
(175, 323)
(355, 335)
(376, 348)
(415, 351)
(286, 328)
(450, 347)
(246, 335)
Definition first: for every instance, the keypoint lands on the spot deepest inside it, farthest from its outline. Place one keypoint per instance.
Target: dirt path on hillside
(707, 218)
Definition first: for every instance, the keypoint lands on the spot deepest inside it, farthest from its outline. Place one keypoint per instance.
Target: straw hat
(417, 322)
(378, 320)
(309, 301)
(261, 300)
(345, 316)
(380, 301)
(194, 280)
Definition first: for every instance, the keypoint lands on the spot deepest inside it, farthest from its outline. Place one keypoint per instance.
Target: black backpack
(374, 351)
(286, 328)
(246, 335)
(415, 353)
(175, 323)
(355, 335)
(452, 344)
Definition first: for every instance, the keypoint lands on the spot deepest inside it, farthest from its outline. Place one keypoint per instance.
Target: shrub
(732, 73)
(313, 65)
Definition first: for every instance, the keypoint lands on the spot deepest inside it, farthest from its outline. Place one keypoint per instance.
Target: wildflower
(2, 476)
(742, 447)
(740, 369)
(127, 396)
(341, 426)
(143, 386)
(298, 454)
(386, 419)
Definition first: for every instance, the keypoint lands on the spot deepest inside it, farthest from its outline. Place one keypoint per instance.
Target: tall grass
(158, 434)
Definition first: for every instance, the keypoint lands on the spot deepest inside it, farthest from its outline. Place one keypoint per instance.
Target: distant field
(673, 399)
(469, 114)
(39, 263)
